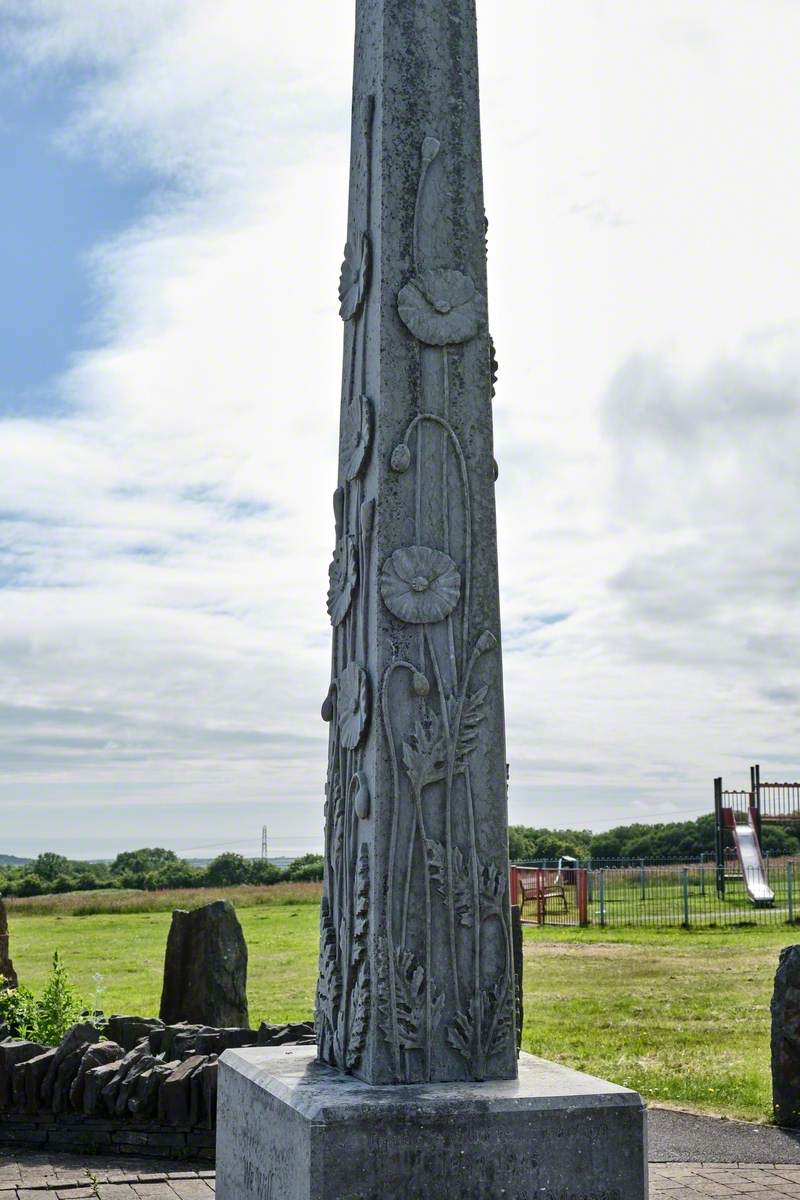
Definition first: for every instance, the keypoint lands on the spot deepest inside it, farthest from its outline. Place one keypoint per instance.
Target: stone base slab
(289, 1128)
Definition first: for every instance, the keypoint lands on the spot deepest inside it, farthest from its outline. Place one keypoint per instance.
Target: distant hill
(11, 860)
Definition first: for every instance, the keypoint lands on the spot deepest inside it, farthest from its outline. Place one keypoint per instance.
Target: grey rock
(77, 1038)
(203, 1098)
(65, 1076)
(144, 1101)
(301, 1033)
(786, 1039)
(97, 1055)
(129, 1063)
(95, 1081)
(175, 1097)
(164, 1041)
(12, 1052)
(127, 1031)
(8, 976)
(212, 1041)
(205, 968)
(416, 971)
(28, 1077)
(289, 1127)
(128, 1086)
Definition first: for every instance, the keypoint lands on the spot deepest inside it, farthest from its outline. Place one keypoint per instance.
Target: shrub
(309, 867)
(57, 1009)
(17, 1007)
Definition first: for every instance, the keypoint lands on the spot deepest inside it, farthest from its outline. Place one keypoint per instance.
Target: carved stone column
(416, 965)
(416, 981)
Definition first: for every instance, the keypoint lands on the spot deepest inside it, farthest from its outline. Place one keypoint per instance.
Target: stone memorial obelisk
(416, 1089)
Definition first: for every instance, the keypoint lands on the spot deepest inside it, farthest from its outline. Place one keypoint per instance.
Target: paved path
(692, 1158)
(67, 1177)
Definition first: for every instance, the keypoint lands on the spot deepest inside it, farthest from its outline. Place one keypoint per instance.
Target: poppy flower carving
(343, 576)
(354, 277)
(357, 437)
(442, 308)
(420, 585)
(353, 708)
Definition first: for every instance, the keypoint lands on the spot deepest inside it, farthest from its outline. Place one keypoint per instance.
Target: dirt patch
(611, 950)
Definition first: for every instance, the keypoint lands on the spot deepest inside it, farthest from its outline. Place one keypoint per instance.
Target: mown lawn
(680, 1016)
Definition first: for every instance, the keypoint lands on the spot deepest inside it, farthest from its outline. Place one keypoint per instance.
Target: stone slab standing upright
(205, 968)
(786, 1039)
(415, 1090)
(8, 976)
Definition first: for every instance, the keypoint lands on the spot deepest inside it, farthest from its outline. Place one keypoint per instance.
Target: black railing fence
(664, 894)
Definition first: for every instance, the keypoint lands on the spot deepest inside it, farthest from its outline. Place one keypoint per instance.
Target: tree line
(675, 841)
(151, 869)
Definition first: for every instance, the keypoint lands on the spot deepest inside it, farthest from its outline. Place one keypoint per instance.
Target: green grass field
(681, 1016)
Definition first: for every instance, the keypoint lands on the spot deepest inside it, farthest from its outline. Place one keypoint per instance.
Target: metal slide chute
(754, 873)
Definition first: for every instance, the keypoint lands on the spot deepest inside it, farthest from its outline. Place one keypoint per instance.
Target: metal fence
(689, 895)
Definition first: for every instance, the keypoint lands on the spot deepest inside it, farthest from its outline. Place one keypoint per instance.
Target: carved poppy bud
(486, 642)
(430, 148)
(363, 801)
(327, 708)
(420, 684)
(401, 458)
(367, 517)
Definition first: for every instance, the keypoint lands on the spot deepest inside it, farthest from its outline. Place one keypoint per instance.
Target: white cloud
(162, 634)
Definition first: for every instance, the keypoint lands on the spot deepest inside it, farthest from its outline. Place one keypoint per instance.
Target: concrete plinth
(289, 1128)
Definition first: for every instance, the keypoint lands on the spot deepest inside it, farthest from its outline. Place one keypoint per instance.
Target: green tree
(139, 862)
(227, 870)
(50, 866)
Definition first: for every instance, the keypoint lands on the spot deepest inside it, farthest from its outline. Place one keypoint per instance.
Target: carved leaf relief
(425, 753)
(354, 277)
(343, 576)
(357, 437)
(354, 705)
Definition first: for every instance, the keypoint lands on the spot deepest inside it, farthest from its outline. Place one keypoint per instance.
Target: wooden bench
(537, 888)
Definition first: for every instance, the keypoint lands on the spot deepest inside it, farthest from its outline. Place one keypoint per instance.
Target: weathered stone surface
(127, 1031)
(80, 1037)
(786, 1039)
(65, 1075)
(8, 976)
(205, 968)
(175, 1097)
(203, 1103)
(212, 1041)
(12, 1052)
(163, 1041)
(291, 1128)
(416, 971)
(98, 1055)
(519, 967)
(301, 1033)
(144, 1102)
(28, 1077)
(95, 1080)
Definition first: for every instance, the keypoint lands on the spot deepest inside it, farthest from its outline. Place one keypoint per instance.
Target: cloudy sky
(172, 213)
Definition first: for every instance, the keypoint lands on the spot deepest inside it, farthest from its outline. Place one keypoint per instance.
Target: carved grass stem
(437, 420)
(478, 1065)
(446, 502)
(448, 820)
(428, 931)
(390, 879)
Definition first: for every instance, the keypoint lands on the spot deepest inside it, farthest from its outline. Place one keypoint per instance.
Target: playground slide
(752, 864)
